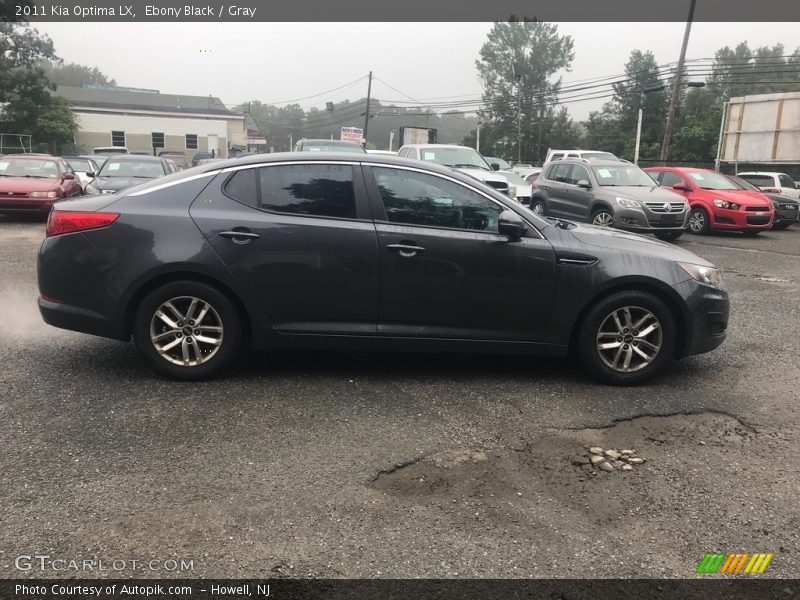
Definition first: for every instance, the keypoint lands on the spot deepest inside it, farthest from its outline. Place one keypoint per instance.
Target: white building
(152, 122)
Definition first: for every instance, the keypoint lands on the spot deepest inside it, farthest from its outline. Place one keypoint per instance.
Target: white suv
(775, 183)
(461, 158)
(590, 154)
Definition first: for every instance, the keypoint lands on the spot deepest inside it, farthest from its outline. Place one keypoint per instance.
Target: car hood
(616, 239)
(116, 183)
(643, 194)
(743, 197)
(25, 185)
(482, 175)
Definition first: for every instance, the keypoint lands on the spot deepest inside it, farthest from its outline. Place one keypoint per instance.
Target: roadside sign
(352, 134)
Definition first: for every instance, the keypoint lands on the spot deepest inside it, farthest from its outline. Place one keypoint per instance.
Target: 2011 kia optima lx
(362, 252)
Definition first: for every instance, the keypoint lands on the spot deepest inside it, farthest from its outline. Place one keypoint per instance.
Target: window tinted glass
(578, 173)
(669, 179)
(556, 156)
(786, 181)
(242, 187)
(561, 173)
(420, 199)
(760, 180)
(321, 190)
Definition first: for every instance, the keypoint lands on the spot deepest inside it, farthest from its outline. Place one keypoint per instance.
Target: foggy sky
(275, 62)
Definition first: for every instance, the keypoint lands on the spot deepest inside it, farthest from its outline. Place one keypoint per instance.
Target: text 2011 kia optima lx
(289, 251)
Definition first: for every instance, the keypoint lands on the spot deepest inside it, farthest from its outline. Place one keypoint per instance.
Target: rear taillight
(64, 221)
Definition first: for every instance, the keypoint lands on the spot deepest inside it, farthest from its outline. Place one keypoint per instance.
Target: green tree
(520, 57)
(73, 74)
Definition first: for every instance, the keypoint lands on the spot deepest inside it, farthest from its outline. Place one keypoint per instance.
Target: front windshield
(622, 175)
(81, 164)
(743, 184)
(504, 166)
(708, 180)
(131, 168)
(28, 167)
(465, 158)
(333, 148)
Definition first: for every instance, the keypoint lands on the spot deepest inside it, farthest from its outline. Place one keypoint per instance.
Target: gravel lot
(352, 465)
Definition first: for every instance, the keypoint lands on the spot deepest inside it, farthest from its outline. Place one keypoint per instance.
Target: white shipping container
(761, 129)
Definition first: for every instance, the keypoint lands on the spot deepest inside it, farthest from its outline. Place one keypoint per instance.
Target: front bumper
(786, 215)
(708, 310)
(23, 204)
(645, 221)
(724, 218)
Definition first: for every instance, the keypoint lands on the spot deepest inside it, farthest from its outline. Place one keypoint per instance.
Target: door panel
(455, 277)
(309, 274)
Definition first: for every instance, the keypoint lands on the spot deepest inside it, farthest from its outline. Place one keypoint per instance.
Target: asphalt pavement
(393, 465)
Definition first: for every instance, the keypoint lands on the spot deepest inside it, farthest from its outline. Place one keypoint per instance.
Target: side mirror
(90, 174)
(495, 166)
(584, 184)
(680, 187)
(69, 175)
(511, 224)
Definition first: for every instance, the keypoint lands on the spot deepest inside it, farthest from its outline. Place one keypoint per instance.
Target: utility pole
(539, 138)
(676, 88)
(291, 142)
(329, 108)
(391, 139)
(638, 138)
(366, 115)
(517, 69)
(478, 138)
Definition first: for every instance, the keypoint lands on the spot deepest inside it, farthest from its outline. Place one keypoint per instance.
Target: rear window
(786, 182)
(759, 180)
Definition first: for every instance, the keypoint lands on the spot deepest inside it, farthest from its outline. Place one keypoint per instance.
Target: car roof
(436, 146)
(605, 162)
(136, 158)
(760, 173)
(32, 155)
(324, 141)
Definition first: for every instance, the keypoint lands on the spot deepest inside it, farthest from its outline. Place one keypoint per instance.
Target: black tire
(751, 232)
(668, 236)
(536, 202)
(700, 213)
(222, 310)
(603, 211)
(782, 225)
(587, 340)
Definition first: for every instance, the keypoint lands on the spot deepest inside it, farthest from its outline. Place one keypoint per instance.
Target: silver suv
(609, 193)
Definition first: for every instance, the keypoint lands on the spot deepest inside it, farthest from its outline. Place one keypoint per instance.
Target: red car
(33, 182)
(715, 201)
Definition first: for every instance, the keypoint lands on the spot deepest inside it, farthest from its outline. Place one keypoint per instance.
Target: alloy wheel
(697, 221)
(186, 331)
(538, 208)
(629, 339)
(603, 219)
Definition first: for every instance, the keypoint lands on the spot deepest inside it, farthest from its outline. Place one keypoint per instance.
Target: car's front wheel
(603, 218)
(699, 221)
(537, 206)
(627, 338)
(187, 330)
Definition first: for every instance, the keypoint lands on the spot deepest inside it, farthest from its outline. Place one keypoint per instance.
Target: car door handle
(406, 250)
(239, 237)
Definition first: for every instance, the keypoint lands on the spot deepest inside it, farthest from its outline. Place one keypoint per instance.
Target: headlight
(43, 195)
(628, 203)
(725, 204)
(707, 275)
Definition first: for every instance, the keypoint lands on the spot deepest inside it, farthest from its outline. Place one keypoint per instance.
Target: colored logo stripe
(734, 562)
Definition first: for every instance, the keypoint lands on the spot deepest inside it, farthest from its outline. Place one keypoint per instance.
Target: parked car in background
(715, 201)
(84, 167)
(498, 164)
(787, 210)
(464, 159)
(110, 150)
(416, 256)
(384, 152)
(198, 156)
(774, 183)
(328, 146)
(120, 172)
(532, 175)
(32, 183)
(609, 193)
(521, 168)
(205, 161)
(517, 187)
(173, 168)
(588, 154)
(180, 159)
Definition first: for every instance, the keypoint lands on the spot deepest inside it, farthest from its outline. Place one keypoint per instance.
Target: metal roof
(125, 99)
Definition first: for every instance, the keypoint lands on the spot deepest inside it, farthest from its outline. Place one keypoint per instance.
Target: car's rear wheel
(627, 338)
(699, 221)
(537, 206)
(187, 330)
(668, 236)
(603, 217)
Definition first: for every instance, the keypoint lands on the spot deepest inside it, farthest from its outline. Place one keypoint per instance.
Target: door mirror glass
(680, 187)
(583, 183)
(69, 175)
(495, 166)
(511, 224)
(90, 174)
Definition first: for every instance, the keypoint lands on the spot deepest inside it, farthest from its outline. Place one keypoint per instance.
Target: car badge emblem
(667, 207)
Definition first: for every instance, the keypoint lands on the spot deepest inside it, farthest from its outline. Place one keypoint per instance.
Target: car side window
(668, 179)
(557, 156)
(578, 173)
(314, 190)
(241, 186)
(416, 198)
(786, 181)
(561, 173)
